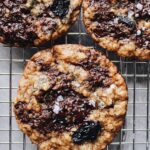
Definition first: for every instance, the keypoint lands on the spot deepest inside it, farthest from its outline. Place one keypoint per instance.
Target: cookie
(120, 26)
(71, 97)
(34, 22)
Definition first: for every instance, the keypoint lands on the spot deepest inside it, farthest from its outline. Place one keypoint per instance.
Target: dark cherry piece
(60, 7)
(87, 131)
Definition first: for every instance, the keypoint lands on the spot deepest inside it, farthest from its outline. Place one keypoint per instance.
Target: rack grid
(134, 134)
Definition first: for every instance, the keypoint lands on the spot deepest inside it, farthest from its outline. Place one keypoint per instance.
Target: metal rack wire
(134, 134)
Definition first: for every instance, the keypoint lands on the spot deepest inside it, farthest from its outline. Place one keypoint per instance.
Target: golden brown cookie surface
(71, 97)
(120, 26)
(34, 22)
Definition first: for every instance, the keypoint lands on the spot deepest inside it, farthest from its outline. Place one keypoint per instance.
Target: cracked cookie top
(122, 26)
(34, 22)
(70, 96)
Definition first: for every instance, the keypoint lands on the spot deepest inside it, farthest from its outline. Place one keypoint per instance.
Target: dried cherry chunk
(60, 7)
(88, 131)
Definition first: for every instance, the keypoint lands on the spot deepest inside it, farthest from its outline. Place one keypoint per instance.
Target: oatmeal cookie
(34, 22)
(122, 26)
(71, 97)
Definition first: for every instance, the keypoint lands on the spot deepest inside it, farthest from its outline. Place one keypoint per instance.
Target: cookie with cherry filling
(71, 97)
(120, 26)
(34, 22)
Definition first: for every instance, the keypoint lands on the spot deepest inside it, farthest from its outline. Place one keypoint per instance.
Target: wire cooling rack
(136, 130)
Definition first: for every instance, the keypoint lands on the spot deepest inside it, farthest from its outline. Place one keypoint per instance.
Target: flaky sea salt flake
(116, 20)
(136, 15)
(130, 14)
(138, 32)
(92, 103)
(56, 109)
(60, 98)
(139, 6)
(146, 43)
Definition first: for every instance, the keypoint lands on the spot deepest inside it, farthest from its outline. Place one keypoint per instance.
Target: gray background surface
(135, 133)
